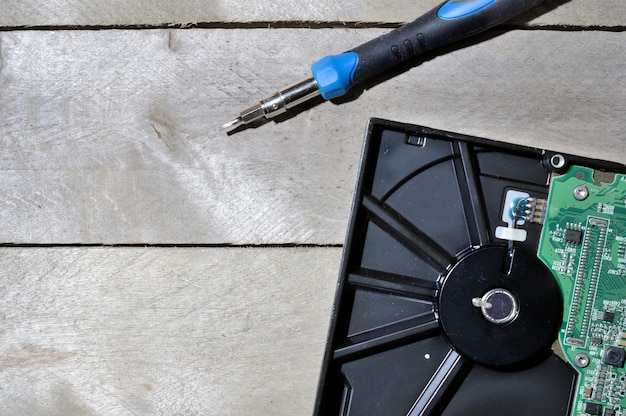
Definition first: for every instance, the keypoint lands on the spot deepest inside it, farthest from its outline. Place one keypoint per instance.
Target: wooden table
(151, 265)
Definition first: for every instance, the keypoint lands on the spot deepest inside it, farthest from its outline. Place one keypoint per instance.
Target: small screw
(581, 360)
(581, 192)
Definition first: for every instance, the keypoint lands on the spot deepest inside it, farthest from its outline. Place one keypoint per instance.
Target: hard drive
(478, 278)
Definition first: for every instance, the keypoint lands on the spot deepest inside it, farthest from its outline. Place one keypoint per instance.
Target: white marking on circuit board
(606, 209)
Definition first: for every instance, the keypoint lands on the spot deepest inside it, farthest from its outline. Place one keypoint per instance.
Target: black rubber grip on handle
(430, 32)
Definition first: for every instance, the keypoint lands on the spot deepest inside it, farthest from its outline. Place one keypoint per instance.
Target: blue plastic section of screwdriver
(456, 9)
(334, 73)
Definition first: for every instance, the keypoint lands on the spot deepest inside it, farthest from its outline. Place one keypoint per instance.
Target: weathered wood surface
(147, 331)
(189, 12)
(110, 136)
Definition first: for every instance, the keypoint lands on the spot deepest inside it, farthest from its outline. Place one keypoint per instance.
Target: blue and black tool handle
(334, 75)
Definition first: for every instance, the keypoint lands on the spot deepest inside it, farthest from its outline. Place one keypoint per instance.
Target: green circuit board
(583, 242)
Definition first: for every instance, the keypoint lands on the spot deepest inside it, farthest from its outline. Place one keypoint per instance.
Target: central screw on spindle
(498, 306)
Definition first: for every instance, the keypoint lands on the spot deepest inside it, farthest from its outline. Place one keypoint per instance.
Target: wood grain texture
(189, 12)
(110, 136)
(135, 331)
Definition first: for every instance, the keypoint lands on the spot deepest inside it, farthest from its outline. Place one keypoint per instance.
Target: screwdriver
(334, 75)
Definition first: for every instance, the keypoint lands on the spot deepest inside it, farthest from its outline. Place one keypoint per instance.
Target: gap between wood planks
(168, 245)
(302, 25)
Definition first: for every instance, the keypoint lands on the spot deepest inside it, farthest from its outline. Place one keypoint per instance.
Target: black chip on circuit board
(573, 236)
(593, 408)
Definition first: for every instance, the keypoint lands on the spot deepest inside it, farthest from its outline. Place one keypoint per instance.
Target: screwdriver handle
(334, 75)
(450, 22)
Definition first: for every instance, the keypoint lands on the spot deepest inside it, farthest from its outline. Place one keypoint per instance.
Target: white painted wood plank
(133, 331)
(110, 136)
(145, 12)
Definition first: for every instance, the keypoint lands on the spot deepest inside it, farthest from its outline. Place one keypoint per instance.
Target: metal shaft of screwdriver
(277, 104)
